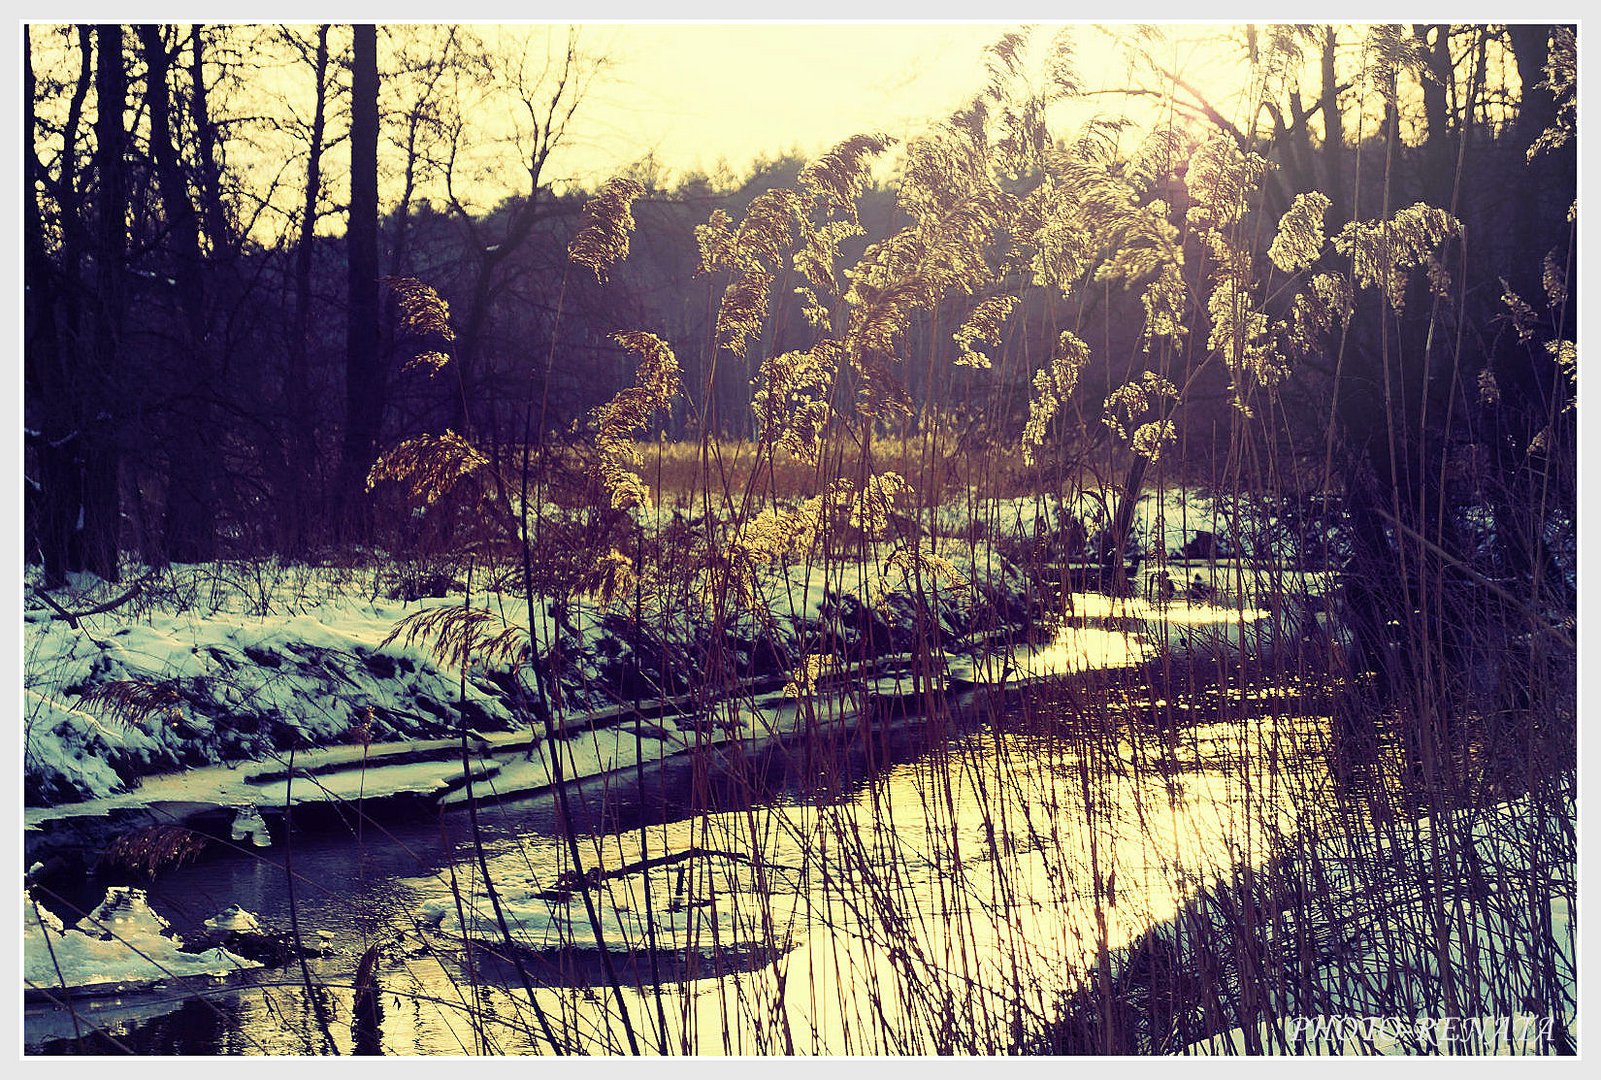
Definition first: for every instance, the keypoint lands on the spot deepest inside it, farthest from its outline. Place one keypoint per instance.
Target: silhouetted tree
(364, 376)
(296, 501)
(99, 521)
(193, 434)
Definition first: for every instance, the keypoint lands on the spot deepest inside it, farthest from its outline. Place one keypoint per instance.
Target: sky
(695, 95)
(695, 89)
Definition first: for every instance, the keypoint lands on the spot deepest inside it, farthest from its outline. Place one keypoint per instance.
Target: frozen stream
(936, 890)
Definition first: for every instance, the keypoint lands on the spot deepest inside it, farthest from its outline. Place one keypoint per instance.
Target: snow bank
(259, 660)
(123, 941)
(1426, 937)
(246, 680)
(239, 689)
(714, 901)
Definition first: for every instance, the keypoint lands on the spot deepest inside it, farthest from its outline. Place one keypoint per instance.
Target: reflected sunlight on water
(944, 904)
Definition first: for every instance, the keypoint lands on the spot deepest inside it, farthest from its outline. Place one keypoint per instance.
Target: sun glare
(696, 96)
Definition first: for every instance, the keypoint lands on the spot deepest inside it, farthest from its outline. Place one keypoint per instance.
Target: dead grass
(682, 473)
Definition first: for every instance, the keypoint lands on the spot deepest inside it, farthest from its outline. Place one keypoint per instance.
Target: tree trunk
(192, 439)
(1333, 135)
(1114, 557)
(54, 476)
(99, 520)
(214, 213)
(1439, 155)
(295, 501)
(364, 389)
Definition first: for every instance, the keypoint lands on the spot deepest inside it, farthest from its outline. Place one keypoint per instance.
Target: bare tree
(100, 518)
(295, 502)
(192, 441)
(421, 59)
(364, 377)
(55, 402)
(542, 105)
(219, 231)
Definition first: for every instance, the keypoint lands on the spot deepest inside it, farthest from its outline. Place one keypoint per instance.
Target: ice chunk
(248, 824)
(234, 917)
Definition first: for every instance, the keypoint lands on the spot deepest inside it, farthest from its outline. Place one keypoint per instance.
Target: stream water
(935, 889)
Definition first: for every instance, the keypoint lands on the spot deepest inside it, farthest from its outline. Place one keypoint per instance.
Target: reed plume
(1317, 312)
(983, 324)
(1388, 51)
(715, 242)
(836, 179)
(457, 634)
(151, 850)
(791, 398)
(766, 235)
(423, 312)
(133, 702)
(1384, 252)
(608, 223)
(1135, 398)
(424, 317)
(1300, 237)
(743, 310)
(428, 467)
(619, 421)
(1240, 336)
(1053, 386)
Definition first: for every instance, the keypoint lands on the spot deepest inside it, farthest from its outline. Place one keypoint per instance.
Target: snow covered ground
(1432, 936)
(248, 669)
(239, 687)
(249, 661)
(122, 942)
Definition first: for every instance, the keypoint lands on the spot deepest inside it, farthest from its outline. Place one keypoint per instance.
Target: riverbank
(303, 698)
(229, 664)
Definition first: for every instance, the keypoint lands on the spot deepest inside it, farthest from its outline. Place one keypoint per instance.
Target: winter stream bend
(925, 882)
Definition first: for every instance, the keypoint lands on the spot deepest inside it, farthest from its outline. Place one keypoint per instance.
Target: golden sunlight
(883, 539)
(694, 97)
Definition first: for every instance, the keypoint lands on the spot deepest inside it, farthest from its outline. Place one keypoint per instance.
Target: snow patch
(122, 941)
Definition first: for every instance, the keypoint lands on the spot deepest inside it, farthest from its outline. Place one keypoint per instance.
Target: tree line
(223, 225)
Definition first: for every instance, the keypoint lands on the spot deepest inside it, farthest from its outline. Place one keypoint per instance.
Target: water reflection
(934, 889)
